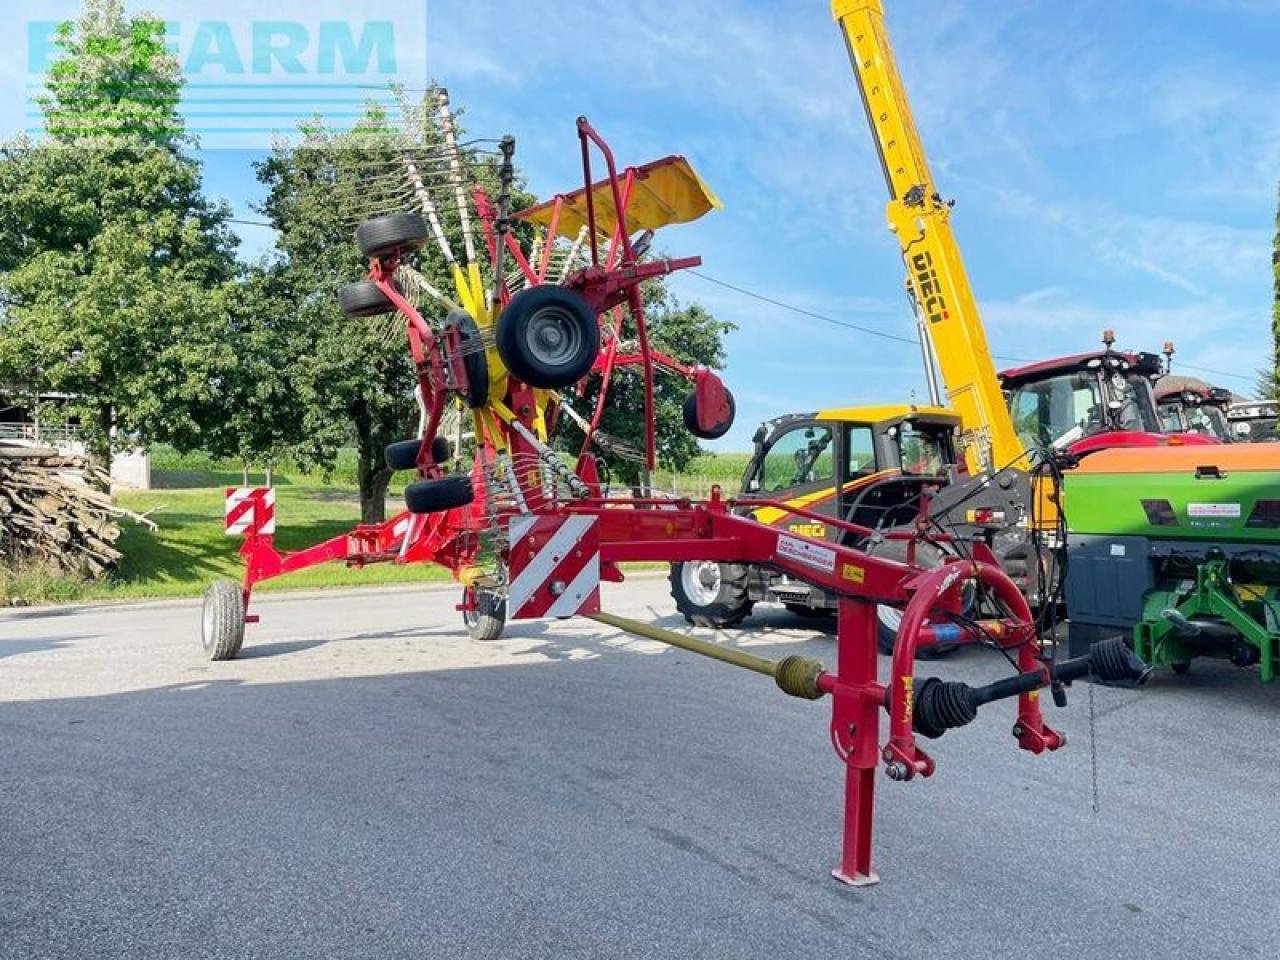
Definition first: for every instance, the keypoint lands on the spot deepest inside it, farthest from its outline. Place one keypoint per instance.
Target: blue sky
(1114, 164)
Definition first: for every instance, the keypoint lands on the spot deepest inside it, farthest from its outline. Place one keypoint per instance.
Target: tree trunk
(371, 470)
(101, 451)
(373, 493)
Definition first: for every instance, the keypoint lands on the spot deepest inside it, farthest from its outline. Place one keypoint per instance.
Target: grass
(191, 549)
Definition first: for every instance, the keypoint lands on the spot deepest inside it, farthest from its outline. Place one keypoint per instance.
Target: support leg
(855, 719)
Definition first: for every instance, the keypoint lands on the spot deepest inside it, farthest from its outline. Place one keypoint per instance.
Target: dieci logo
(926, 277)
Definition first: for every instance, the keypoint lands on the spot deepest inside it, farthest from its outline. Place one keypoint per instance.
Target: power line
(870, 331)
(889, 336)
(823, 317)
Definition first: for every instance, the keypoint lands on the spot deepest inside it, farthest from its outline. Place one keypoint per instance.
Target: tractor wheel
(222, 620)
(710, 594)
(394, 233)
(403, 454)
(364, 299)
(485, 623)
(442, 493)
(690, 411)
(473, 358)
(548, 337)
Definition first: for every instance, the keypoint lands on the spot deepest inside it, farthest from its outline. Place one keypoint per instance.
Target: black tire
(548, 337)
(441, 493)
(887, 617)
(485, 624)
(725, 605)
(394, 233)
(364, 299)
(222, 620)
(1181, 667)
(403, 454)
(473, 358)
(690, 411)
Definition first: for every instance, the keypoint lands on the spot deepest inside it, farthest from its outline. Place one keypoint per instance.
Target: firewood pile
(53, 511)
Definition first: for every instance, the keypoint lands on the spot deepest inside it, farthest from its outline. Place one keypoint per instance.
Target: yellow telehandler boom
(951, 328)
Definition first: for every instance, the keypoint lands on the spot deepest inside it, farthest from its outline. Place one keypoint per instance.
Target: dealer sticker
(1217, 510)
(810, 554)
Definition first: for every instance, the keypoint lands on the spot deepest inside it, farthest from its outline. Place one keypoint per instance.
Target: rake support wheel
(394, 233)
(548, 337)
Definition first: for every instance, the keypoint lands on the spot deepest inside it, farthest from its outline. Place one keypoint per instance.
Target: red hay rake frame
(655, 529)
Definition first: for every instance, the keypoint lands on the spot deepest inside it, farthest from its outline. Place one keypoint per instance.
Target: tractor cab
(1193, 407)
(1089, 401)
(1254, 421)
(862, 464)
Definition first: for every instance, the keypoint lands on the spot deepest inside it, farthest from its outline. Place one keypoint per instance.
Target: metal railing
(57, 436)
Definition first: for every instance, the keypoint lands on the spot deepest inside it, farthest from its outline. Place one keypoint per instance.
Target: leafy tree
(115, 271)
(1270, 386)
(688, 333)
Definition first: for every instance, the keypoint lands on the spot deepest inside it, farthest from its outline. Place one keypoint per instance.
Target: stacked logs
(53, 512)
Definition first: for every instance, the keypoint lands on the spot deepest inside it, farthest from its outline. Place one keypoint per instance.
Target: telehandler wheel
(364, 299)
(441, 493)
(394, 233)
(710, 594)
(222, 620)
(485, 623)
(548, 337)
(888, 619)
(403, 454)
(690, 412)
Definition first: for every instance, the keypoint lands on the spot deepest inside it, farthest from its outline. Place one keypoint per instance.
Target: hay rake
(530, 537)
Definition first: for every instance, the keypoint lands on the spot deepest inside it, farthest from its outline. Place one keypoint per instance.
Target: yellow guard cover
(665, 191)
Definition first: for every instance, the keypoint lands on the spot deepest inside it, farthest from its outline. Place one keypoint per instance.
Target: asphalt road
(366, 782)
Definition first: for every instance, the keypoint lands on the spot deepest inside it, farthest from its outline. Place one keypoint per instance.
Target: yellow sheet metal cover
(666, 191)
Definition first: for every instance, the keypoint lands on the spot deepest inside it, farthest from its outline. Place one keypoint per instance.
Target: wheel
(393, 233)
(485, 623)
(710, 594)
(403, 454)
(364, 299)
(473, 358)
(222, 620)
(548, 337)
(441, 493)
(690, 411)
(1181, 667)
(889, 619)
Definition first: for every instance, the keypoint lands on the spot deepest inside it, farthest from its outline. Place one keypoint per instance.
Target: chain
(1093, 748)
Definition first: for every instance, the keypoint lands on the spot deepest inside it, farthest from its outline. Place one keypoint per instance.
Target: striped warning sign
(250, 509)
(555, 567)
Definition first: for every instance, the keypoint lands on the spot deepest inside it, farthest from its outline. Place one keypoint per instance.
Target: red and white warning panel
(555, 567)
(250, 510)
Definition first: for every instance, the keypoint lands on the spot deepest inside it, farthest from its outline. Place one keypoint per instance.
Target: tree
(1272, 388)
(115, 271)
(689, 334)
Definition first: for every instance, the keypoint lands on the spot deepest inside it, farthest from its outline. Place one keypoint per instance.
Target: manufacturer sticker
(810, 554)
(1217, 510)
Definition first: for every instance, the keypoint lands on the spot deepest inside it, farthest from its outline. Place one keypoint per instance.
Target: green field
(190, 549)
